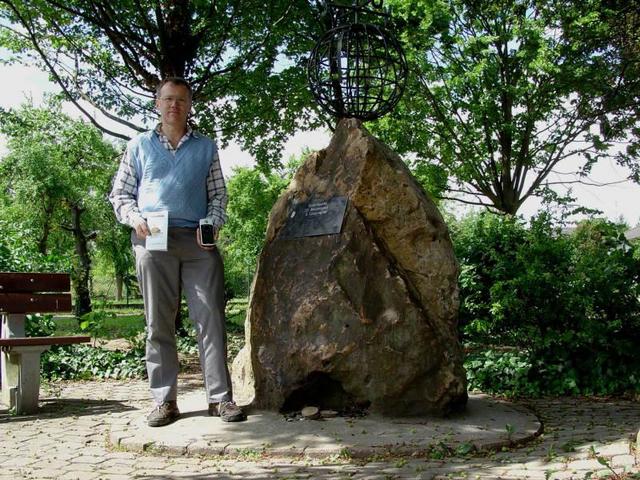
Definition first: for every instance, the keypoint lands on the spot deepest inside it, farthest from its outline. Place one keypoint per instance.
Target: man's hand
(199, 238)
(141, 228)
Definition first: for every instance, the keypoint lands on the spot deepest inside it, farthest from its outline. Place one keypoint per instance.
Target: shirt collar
(190, 132)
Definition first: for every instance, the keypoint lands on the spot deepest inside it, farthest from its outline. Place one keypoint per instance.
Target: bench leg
(23, 386)
(12, 326)
(10, 379)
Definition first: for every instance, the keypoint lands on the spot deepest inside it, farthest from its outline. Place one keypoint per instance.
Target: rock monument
(354, 302)
(365, 317)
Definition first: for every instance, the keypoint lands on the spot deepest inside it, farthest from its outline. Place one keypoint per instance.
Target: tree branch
(109, 115)
(55, 75)
(468, 202)
(594, 184)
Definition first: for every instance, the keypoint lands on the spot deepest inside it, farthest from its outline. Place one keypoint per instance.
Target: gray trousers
(201, 276)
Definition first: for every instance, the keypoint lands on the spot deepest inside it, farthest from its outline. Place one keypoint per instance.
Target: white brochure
(158, 223)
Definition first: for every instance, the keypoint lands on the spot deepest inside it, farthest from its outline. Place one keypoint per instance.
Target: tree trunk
(119, 283)
(181, 330)
(82, 267)
(46, 228)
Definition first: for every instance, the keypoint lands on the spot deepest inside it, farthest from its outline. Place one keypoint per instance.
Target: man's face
(174, 104)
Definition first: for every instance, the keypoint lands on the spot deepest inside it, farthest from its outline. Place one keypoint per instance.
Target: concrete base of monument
(486, 424)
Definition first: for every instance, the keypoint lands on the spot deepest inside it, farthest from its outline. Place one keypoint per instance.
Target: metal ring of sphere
(357, 70)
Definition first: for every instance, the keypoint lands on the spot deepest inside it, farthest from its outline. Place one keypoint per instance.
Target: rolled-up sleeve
(216, 193)
(123, 195)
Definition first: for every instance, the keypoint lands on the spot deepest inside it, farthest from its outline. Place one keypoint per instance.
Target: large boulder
(366, 317)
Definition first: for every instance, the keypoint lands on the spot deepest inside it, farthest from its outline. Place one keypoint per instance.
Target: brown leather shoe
(227, 411)
(164, 414)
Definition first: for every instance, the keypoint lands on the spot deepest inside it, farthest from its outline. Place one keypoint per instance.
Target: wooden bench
(22, 293)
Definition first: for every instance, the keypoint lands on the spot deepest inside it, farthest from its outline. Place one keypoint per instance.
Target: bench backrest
(34, 292)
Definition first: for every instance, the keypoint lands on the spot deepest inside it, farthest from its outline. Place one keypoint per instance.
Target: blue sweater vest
(176, 183)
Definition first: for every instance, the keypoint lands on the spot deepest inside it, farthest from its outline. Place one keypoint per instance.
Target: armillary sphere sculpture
(358, 68)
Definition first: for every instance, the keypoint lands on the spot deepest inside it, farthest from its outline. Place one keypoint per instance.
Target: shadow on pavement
(60, 408)
(283, 472)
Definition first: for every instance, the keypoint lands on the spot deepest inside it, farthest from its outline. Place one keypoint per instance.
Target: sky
(619, 201)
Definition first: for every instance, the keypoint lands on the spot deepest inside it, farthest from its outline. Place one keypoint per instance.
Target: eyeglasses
(178, 100)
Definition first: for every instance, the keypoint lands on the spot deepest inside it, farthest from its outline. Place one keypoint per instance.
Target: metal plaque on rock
(315, 217)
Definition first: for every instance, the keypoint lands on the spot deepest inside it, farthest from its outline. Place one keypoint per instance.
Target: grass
(121, 326)
(129, 321)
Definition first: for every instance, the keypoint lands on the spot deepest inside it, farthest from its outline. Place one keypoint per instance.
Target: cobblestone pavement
(67, 440)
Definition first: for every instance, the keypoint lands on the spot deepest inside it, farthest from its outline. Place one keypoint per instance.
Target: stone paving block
(147, 463)
(538, 464)
(115, 468)
(64, 454)
(184, 461)
(566, 475)
(135, 444)
(76, 439)
(76, 475)
(54, 465)
(588, 464)
(155, 472)
(81, 467)
(8, 475)
(211, 463)
(94, 450)
(116, 437)
(625, 460)
(88, 459)
(46, 473)
(524, 474)
(22, 437)
(16, 462)
(43, 442)
(183, 467)
(545, 467)
(123, 457)
(124, 462)
(56, 431)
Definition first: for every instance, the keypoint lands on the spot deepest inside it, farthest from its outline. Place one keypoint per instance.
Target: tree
(113, 245)
(252, 194)
(503, 91)
(245, 59)
(607, 33)
(66, 166)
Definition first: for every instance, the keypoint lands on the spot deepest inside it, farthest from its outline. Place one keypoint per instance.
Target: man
(175, 169)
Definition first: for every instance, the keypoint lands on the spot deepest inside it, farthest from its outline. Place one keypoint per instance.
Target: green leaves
(501, 90)
(93, 323)
(83, 362)
(545, 312)
(245, 59)
(252, 194)
(39, 325)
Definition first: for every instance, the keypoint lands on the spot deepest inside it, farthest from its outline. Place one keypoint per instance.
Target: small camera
(207, 233)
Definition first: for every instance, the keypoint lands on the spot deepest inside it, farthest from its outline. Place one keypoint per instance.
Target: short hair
(175, 81)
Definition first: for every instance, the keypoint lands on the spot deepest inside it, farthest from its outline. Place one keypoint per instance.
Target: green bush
(18, 252)
(94, 323)
(252, 194)
(39, 325)
(503, 372)
(568, 303)
(83, 362)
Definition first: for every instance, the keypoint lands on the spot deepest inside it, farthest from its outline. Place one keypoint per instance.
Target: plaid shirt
(125, 186)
